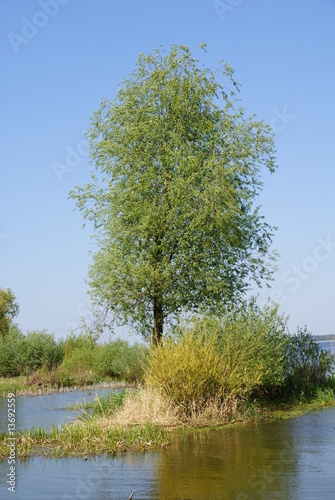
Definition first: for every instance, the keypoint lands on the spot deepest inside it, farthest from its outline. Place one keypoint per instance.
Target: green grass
(15, 384)
(102, 405)
(295, 406)
(108, 403)
(89, 437)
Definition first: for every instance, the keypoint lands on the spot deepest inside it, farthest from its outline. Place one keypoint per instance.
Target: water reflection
(235, 463)
(291, 459)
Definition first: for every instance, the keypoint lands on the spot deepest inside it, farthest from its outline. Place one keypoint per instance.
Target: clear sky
(60, 57)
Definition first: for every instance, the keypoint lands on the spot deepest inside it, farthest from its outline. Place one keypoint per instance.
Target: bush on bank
(117, 359)
(76, 360)
(188, 372)
(307, 367)
(22, 354)
(11, 350)
(246, 353)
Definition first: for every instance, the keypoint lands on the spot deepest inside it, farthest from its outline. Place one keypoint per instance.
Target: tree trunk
(157, 333)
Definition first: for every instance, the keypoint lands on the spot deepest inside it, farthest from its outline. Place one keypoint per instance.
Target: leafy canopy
(9, 308)
(172, 201)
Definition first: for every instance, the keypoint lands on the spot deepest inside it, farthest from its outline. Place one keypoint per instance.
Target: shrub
(251, 343)
(85, 341)
(118, 359)
(187, 372)
(20, 354)
(238, 355)
(307, 366)
(41, 350)
(79, 360)
(11, 353)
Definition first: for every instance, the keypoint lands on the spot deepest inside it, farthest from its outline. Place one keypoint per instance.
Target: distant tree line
(322, 338)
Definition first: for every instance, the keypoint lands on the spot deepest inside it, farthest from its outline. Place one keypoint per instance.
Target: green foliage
(41, 350)
(324, 396)
(118, 359)
(308, 367)
(85, 359)
(23, 354)
(9, 308)
(78, 364)
(77, 360)
(173, 201)
(82, 359)
(251, 344)
(11, 351)
(83, 341)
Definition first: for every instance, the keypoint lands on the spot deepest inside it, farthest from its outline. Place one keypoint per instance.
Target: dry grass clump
(150, 405)
(216, 411)
(146, 405)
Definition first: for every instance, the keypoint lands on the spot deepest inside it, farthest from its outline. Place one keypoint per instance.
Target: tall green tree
(178, 167)
(9, 308)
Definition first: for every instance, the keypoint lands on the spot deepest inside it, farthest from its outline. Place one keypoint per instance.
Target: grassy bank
(90, 438)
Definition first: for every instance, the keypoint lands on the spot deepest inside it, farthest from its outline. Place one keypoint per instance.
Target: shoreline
(45, 390)
(97, 435)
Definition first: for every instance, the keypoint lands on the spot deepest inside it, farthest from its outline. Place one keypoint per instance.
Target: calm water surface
(291, 459)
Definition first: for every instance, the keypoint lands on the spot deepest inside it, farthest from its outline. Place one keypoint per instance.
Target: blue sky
(60, 57)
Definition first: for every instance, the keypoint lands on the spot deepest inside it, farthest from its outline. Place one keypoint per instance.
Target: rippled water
(290, 459)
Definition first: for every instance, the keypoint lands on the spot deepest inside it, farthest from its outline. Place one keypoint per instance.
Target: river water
(288, 459)
(47, 410)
